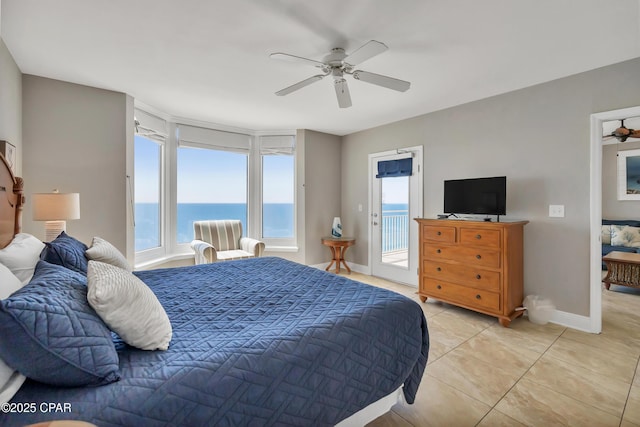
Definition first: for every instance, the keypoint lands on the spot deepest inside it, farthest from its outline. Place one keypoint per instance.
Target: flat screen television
(476, 196)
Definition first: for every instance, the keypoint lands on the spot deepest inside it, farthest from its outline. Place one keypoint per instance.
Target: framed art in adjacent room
(9, 152)
(629, 175)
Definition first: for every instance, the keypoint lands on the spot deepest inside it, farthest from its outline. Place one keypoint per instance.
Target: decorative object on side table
(55, 208)
(8, 150)
(336, 229)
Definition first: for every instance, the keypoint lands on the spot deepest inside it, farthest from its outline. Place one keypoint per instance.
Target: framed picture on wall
(629, 175)
(9, 153)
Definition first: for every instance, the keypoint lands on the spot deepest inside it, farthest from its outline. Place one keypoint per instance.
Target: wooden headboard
(11, 202)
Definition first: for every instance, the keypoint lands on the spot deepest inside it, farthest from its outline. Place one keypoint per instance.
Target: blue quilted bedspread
(260, 342)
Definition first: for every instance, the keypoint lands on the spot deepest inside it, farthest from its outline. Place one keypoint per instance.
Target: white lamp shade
(56, 206)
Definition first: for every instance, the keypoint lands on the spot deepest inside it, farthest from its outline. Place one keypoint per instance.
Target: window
(148, 169)
(199, 173)
(278, 190)
(149, 191)
(278, 208)
(212, 184)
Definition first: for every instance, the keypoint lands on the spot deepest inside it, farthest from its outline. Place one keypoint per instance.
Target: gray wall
(322, 193)
(539, 138)
(74, 139)
(612, 208)
(11, 104)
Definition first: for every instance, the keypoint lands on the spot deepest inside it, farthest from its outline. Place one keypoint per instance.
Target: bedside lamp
(55, 208)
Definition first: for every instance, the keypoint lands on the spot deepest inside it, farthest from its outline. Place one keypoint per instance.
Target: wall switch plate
(556, 211)
(360, 207)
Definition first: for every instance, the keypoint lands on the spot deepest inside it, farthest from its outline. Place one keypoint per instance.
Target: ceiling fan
(337, 64)
(622, 133)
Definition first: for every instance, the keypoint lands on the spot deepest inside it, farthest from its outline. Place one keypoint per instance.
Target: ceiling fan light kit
(337, 64)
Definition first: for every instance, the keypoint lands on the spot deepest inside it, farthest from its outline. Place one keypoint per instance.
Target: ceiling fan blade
(342, 92)
(299, 85)
(380, 80)
(293, 58)
(364, 52)
(634, 133)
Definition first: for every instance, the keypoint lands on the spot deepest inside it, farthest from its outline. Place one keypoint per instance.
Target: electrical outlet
(556, 211)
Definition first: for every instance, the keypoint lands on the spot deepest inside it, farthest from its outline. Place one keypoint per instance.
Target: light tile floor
(481, 374)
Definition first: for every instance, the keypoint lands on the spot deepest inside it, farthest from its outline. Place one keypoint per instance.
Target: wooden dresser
(473, 264)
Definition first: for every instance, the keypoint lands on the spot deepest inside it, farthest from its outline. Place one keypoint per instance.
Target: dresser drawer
(480, 237)
(473, 298)
(439, 234)
(479, 256)
(462, 274)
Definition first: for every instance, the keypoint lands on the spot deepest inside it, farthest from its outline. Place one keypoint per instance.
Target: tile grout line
(519, 379)
(571, 397)
(441, 356)
(635, 374)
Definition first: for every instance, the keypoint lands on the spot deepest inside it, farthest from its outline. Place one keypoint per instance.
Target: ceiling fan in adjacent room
(622, 133)
(337, 64)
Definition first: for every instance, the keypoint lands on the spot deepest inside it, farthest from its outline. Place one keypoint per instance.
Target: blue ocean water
(278, 220)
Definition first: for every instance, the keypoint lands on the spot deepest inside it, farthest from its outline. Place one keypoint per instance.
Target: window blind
(197, 137)
(400, 167)
(150, 125)
(277, 145)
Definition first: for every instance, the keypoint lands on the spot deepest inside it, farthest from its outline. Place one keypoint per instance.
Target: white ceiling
(209, 59)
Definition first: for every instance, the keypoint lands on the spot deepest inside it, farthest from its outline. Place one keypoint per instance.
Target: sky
(208, 176)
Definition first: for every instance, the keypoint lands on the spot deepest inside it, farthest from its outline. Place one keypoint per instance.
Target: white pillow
(624, 235)
(22, 255)
(9, 283)
(103, 251)
(10, 382)
(606, 235)
(128, 306)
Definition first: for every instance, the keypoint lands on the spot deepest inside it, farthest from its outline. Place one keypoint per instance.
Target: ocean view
(278, 220)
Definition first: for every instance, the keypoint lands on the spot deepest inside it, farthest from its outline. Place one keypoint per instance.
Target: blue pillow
(66, 251)
(49, 333)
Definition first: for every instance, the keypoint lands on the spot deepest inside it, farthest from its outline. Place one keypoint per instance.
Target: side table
(338, 246)
(623, 268)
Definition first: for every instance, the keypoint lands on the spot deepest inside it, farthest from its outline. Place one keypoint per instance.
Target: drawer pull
(478, 276)
(439, 287)
(478, 236)
(439, 233)
(478, 256)
(478, 296)
(438, 269)
(438, 251)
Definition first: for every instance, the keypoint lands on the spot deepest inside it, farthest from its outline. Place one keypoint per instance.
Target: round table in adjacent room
(338, 246)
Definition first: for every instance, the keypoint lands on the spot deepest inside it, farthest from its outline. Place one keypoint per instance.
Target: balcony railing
(395, 230)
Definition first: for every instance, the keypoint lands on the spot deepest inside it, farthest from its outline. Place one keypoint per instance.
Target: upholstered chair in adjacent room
(221, 240)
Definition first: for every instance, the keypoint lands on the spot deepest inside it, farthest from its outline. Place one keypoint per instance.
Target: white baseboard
(571, 320)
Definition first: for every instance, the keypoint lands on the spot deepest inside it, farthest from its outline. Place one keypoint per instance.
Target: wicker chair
(222, 240)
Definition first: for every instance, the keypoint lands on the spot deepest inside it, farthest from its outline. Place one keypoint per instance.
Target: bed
(263, 342)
